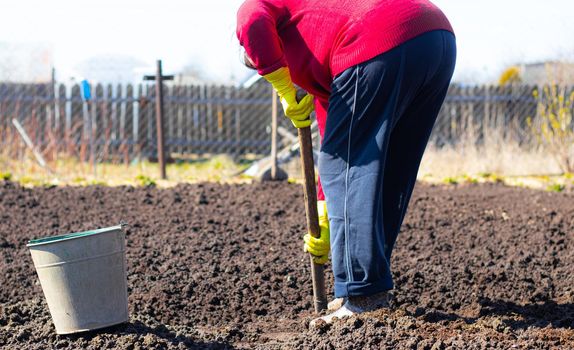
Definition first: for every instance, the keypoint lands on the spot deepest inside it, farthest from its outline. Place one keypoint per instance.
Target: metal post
(159, 119)
(274, 135)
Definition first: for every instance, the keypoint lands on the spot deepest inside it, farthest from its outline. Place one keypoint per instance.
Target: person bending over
(376, 73)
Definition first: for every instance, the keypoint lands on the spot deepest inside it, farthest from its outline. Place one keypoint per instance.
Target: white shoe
(352, 306)
(341, 313)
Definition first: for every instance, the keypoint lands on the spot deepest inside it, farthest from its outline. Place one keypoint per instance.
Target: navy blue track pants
(381, 113)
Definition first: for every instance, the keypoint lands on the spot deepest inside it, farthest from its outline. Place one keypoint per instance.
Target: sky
(91, 39)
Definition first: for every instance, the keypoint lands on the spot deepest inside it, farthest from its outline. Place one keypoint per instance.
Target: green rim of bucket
(53, 239)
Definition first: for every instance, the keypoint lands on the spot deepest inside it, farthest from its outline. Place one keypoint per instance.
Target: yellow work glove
(298, 112)
(319, 247)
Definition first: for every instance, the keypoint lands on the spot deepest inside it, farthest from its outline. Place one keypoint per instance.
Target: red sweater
(318, 39)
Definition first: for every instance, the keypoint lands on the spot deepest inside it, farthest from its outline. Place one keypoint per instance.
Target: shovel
(310, 191)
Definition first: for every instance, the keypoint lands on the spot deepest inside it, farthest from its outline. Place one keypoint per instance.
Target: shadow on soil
(540, 315)
(139, 328)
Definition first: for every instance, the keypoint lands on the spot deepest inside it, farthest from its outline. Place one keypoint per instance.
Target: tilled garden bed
(222, 267)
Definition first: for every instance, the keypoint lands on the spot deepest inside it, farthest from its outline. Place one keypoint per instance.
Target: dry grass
(505, 161)
(495, 155)
(508, 164)
(499, 162)
(68, 171)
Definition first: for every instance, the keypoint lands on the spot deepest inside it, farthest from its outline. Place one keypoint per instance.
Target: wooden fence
(202, 120)
(473, 112)
(197, 119)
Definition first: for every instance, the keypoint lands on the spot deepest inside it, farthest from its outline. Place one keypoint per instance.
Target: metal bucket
(83, 277)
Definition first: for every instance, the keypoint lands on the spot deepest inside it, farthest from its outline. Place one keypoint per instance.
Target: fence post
(159, 119)
(273, 134)
(159, 78)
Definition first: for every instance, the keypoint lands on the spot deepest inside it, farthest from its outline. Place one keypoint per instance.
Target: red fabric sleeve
(320, 193)
(257, 33)
(321, 107)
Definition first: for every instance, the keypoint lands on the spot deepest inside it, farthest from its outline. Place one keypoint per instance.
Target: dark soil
(221, 266)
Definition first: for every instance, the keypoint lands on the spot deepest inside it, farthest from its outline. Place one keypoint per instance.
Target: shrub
(450, 181)
(556, 188)
(145, 180)
(510, 76)
(554, 127)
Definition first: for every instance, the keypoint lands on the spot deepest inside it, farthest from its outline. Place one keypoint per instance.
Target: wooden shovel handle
(308, 165)
(310, 192)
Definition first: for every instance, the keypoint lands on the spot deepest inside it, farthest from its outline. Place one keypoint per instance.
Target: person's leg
(352, 155)
(380, 116)
(366, 104)
(349, 166)
(408, 141)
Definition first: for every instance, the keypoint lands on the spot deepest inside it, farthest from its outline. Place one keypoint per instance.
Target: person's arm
(319, 247)
(257, 33)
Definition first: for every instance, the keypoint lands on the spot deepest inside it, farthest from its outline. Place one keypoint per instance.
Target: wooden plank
(60, 117)
(3, 127)
(177, 119)
(170, 119)
(264, 120)
(151, 144)
(167, 119)
(196, 124)
(138, 130)
(14, 113)
(97, 119)
(189, 110)
(177, 111)
(219, 95)
(238, 95)
(75, 142)
(106, 123)
(42, 117)
(228, 114)
(211, 124)
(116, 122)
(203, 119)
(5, 130)
(121, 126)
(29, 113)
(182, 119)
(455, 117)
(246, 114)
(128, 127)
